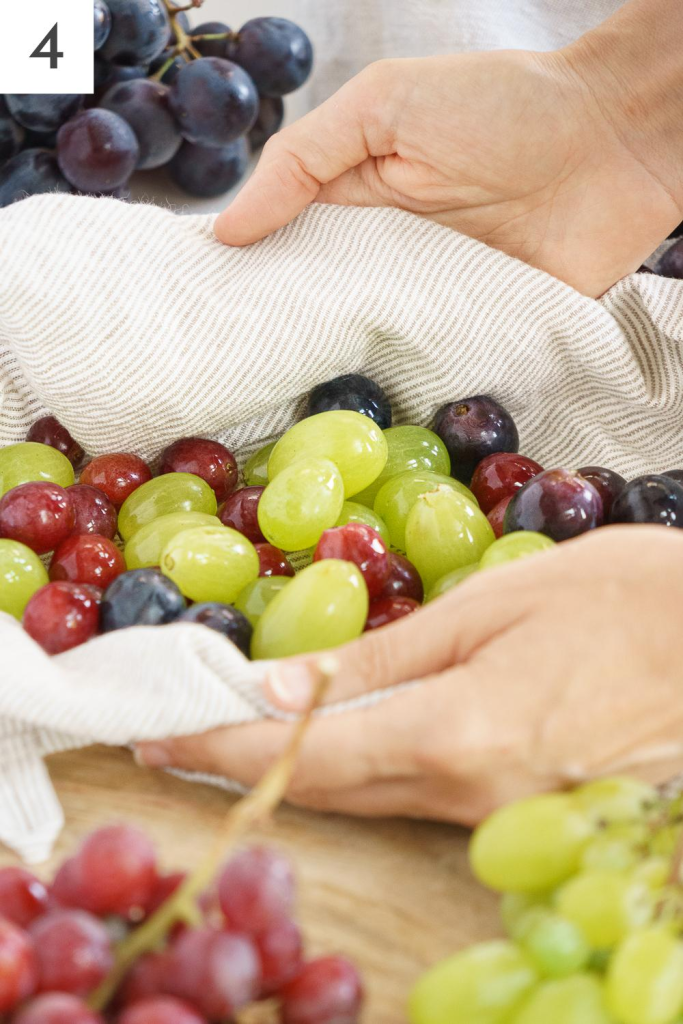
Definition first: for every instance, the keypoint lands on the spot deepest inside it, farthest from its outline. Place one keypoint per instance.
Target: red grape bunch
(192, 100)
(58, 943)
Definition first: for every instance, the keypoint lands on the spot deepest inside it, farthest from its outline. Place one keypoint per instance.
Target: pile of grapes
(192, 100)
(428, 508)
(593, 909)
(58, 943)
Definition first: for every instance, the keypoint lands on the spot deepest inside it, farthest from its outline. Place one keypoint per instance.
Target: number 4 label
(54, 53)
(63, 61)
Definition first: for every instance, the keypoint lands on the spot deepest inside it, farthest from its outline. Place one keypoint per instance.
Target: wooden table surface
(395, 896)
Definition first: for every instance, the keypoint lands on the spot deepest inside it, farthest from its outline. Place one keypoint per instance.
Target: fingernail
(291, 686)
(151, 755)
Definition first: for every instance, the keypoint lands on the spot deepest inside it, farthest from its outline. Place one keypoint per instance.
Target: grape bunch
(195, 101)
(344, 524)
(59, 942)
(592, 905)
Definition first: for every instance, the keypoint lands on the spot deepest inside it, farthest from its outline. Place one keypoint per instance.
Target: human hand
(538, 674)
(553, 158)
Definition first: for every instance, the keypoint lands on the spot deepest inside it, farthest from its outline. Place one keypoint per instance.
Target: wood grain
(395, 896)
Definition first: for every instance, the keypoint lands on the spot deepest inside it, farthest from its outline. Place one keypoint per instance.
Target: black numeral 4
(54, 53)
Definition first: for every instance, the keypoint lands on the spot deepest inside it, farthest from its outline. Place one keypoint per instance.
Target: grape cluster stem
(254, 809)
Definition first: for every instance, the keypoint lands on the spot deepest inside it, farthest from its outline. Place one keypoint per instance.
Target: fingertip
(231, 230)
(152, 755)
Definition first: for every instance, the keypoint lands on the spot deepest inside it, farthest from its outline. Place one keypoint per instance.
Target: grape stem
(256, 808)
(184, 41)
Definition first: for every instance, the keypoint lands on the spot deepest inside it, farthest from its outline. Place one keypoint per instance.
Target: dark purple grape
(208, 171)
(31, 173)
(144, 105)
(142, 597)
(214, 101)
(671, 263)
(355, 392)
(113, 74)
(275, 52)
(140, 30)
(473, 428)
(12, 135)
(102, 24)
(97, 151)
(271, 114)
(650, 499)
(674, 474)
(607, 483)
(222, 618)
(43, 113)
(558, 503)
(211, 47)
(171, 73)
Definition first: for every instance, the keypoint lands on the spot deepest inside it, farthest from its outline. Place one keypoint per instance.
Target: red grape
(496, 516)
(147, 977)
(387, 609)
(272, 561)
(361, 545)
(558, 503)
(161, 1010)
(73, 952)
(256, 889)
(64, 888)
(212, 461)
(37, 514)
(23, 897)
(607, 483)
(240, 511)
(326, 991)
(280, 949)
(18, 968)
(50, 431)
(116, 475)
(87, 559)
(164, 886)
(216, 971)
(93, 511)
(116, 871)
(57, 1008)
(499, 475)
(403, 580)
(60, 616)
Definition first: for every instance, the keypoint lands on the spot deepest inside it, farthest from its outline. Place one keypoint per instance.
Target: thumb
(445, 633)
(298, 161)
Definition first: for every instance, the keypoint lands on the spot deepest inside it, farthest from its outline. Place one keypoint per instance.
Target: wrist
(632, 66)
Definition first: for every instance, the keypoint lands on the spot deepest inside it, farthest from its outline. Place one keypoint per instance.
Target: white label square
(25, 26)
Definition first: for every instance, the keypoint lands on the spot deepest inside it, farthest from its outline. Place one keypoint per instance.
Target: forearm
(633, 66)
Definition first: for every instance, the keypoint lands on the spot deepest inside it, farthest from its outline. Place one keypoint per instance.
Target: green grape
(303, 500)
(530, 846)
(144, 548)
(605, 905)
(645, 978)
(21, 574)
(615, 799)
(256, 597)
(410, 450)
(256, 468)
(652, 872)
(665, 840)
(609, 853)
(210, 563)
(352, 512)
(325, 605)
(353, 442)
(397, 496)
(556, 947)
(23, 463)
(444, 532)
(172, 492)
(515, 908)
(480, 985)
(450, 580)
(513, 546)
(576, 1000)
